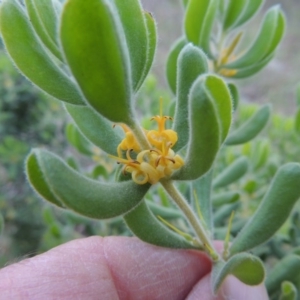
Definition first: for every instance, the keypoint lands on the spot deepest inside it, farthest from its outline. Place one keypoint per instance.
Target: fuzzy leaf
(202, 188)
(267, 40)
(248, 12)
(233, 12)
(272, 212)
(37, 180)
(205, 133)
(207, 27)
(251, 128)
(286, 269)
(192, 62)
(232, 173)
(133, 21)
(43, 17)
(85, 196)
(225, 198)
(22, 43)
(288, 291)
(96, 51)
(77, 140)
(146, 226)
(195, 19)
(253, 69)
(219, 92)
(164, 212)
(171, 69)
(247, 268)
(95, 128)
(152, 42)
(234, 95)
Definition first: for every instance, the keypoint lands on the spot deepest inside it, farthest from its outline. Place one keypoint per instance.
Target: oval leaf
(233, 12)
(268, 38)
(225, 198)
(171, 69)
(22, 43)
(194, 19)
(251, 128)
(232, 173)
(85, 196)
(247, 268)
(249, 11)
(95, 49)
(95, 128)
(288, 291)
(272, 211)
(205, 135)
(192, 62)
(133, 21)
(286, 269)
(146, 226)
(44, 19)
(235, 96)
(77, 140)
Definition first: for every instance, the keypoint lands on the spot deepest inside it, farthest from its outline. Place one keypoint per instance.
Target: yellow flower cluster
(152, 164)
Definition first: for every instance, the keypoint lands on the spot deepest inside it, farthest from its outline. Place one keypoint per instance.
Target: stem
(190, 215)
(140, 136)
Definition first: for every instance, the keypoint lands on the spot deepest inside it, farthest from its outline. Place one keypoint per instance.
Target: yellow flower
(152, 164)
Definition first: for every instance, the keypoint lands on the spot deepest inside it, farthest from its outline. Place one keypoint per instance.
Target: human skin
(118, 268)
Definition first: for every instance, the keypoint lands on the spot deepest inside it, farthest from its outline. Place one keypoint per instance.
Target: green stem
(191, 217)
(140, 136)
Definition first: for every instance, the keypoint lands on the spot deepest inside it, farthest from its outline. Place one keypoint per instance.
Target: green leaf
(220, 93)
(225, 198)
(288, 291)
(171, 68)
(205, 133)
(164, 212)
(224, 212)
(99, 171)
(286, 269)
(96, 51)
(202, 188)
(192, 62)
(297, 120)
(95, 128)
(207, 27)
(253, 69)
(85, 196)
(22, 43)
(146, 227)
(251, 128)
(234, 95)
(233, 12)
(249, 11)
(44, 19)
(36, 178)
(133, 21)
(152, 41)
(232, 173)
(194, 19)
(77, 140)
(247, 268)
(272, 211)
(261, 154)
(267, 40)
(185, 3)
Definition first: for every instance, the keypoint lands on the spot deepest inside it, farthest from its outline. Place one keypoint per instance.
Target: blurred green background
(28, 118)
